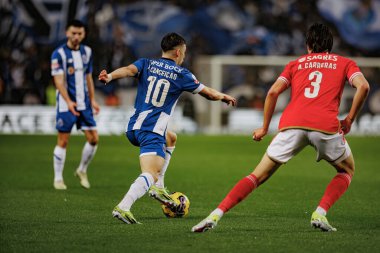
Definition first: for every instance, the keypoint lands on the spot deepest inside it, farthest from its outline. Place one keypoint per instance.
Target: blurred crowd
(120, 31)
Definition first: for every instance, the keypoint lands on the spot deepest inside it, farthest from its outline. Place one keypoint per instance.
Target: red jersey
(317, 81)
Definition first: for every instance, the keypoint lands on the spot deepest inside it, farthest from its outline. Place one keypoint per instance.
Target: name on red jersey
(317, 65)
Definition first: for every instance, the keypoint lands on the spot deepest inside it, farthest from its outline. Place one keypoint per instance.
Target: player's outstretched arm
(214, 95)
(270, 104)
(362, 90)
(128, 71)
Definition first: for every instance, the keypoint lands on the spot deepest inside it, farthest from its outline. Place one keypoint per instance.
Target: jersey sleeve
(56, 64)
(191, 83)
(140, 63)
(286, 74)
(352, 71)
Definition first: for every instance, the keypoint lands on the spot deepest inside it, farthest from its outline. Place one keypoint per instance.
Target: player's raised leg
(150, 166)
(59, 157)
(158, 191)
(240, 191)
(336, 188)
(88, 153)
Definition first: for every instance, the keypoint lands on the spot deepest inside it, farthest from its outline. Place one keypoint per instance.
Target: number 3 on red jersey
(316, 78)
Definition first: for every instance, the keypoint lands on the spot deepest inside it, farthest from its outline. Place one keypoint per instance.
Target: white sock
(321, 211)
(161, 176)
(88, 153)
(218, 212)
(59, 157)
(137, 190)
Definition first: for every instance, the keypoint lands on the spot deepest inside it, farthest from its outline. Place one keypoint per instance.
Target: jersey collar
(164, 58)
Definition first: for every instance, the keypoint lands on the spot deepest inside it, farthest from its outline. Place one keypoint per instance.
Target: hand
(259, 134)
(72, 105)
(95, 106)
(104, 77)
(229, 100)
(345, 124)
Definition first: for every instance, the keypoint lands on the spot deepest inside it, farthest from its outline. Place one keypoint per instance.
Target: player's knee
(63, 143)
(158, 172)
(154, 175)
(351, 170)
(347, 166)
(93, 140)
(154, 172)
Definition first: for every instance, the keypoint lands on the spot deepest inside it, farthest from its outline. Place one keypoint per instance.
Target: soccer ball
(182, 209)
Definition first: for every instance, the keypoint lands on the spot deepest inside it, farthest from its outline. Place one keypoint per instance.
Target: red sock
(241, 190)
(335, 190)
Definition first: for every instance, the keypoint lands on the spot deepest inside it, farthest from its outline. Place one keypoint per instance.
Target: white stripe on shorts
(148, 153)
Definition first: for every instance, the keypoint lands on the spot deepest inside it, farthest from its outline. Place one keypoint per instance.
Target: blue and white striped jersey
(160, 84)
(74, 65)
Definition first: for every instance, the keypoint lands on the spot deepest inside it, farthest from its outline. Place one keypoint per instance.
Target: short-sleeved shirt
(316, 81)
(160, 84)
(74, 65)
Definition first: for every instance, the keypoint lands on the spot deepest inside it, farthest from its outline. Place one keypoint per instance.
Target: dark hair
(319, 38)
(171, 40)
(75, 23)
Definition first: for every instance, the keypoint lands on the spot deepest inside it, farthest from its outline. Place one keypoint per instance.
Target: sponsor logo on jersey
(302, 59)
(324, 57)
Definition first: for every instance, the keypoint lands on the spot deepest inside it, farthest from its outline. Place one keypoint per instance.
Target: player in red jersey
(316, 81)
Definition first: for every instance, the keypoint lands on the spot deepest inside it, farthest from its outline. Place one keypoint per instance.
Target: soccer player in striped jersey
(160, 84)
(316, 81)
(71, 68)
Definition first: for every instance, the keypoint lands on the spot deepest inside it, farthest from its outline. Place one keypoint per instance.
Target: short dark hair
(171, 40)
(75, 23)
(319, 38)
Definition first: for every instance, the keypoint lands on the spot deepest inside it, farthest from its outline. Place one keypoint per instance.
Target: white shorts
(331, 147)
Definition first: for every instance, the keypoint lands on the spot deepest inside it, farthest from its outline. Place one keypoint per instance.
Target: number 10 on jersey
(164, 91)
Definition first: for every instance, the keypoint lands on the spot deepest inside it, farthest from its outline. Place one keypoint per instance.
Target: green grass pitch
(275, 218)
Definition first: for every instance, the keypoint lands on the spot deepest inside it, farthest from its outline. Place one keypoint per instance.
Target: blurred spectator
(358, 22)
